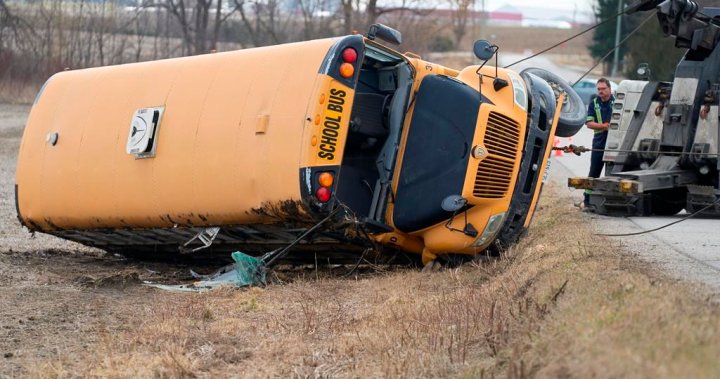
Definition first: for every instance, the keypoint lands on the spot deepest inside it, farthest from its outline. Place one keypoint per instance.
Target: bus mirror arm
(455, 204)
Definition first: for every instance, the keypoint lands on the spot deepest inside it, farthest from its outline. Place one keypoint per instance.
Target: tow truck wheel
(668, 202)
(572, 116)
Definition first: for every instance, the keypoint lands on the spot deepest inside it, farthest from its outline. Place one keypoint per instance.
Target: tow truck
(662, 150)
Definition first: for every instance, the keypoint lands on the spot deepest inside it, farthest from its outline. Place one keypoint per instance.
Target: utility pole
(618, 28)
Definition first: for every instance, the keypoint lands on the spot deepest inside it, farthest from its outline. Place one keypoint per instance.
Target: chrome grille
(494, 173)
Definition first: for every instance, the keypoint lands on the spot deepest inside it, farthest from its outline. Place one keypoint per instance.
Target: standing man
(598, 119)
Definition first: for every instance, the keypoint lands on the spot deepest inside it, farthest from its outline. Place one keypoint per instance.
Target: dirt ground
(58, 298)
(562, 303)
(41, 301)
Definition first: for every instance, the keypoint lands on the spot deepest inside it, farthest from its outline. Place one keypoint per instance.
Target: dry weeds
(563, 303)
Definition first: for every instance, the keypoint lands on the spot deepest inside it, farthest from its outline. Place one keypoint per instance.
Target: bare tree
(265, 21)
(13, 28)
(348, 9)
(315, 16)
(373, 10)
(195, 18)
(39, 38)
(461, 11)
(360, 14)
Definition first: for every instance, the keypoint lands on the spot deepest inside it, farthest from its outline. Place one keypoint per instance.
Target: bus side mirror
(385, 33)
(483, 50)
(453, 203)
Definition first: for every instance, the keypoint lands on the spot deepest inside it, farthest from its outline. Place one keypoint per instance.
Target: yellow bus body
(228, 141)
(240, 139)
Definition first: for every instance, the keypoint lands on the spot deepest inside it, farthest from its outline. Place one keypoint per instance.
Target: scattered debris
(246, 271)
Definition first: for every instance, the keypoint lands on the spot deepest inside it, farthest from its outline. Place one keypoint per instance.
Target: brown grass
(563, 303)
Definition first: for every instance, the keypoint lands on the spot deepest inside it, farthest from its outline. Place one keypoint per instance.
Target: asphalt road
(688, 250)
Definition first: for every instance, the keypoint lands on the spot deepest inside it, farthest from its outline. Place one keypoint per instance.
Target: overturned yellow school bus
(247, 150)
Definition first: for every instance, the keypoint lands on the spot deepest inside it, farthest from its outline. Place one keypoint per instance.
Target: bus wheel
(573, 113)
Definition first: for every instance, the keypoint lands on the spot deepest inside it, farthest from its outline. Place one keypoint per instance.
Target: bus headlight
(492, 228)
(519, 92)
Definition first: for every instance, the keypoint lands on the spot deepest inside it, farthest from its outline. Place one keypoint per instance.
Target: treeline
(41, 37)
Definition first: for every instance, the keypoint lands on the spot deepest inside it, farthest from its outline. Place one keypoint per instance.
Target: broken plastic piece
(246, 271)
(250, 271)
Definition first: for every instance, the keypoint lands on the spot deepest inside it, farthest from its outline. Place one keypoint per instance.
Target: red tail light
(349, 55)
(323, 194)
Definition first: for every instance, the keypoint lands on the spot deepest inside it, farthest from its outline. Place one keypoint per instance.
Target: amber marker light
(326, 179)
(579, 183)
(347, 70)
(629, 186)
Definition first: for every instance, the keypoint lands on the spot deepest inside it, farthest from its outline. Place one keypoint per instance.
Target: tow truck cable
(611, 18)
(610, 51)
(664, 226)
(577, 150)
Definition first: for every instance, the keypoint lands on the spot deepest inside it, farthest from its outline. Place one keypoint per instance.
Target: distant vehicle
(586, 89)
(343, 138)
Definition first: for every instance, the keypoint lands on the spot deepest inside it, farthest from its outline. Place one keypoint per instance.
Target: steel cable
(664, 226)
(566, 40)
(615, 47)
(569, 38)
(577, 150)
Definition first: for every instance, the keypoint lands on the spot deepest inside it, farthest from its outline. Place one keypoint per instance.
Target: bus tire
(573, 113)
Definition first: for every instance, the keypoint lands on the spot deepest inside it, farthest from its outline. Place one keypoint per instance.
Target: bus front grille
(493, 178)
(501, 136)
(494, 173)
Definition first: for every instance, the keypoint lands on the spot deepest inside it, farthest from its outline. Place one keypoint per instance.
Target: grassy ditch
(562, 303)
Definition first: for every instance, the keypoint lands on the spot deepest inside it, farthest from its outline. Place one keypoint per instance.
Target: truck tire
(573, 113)
(668, 202)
